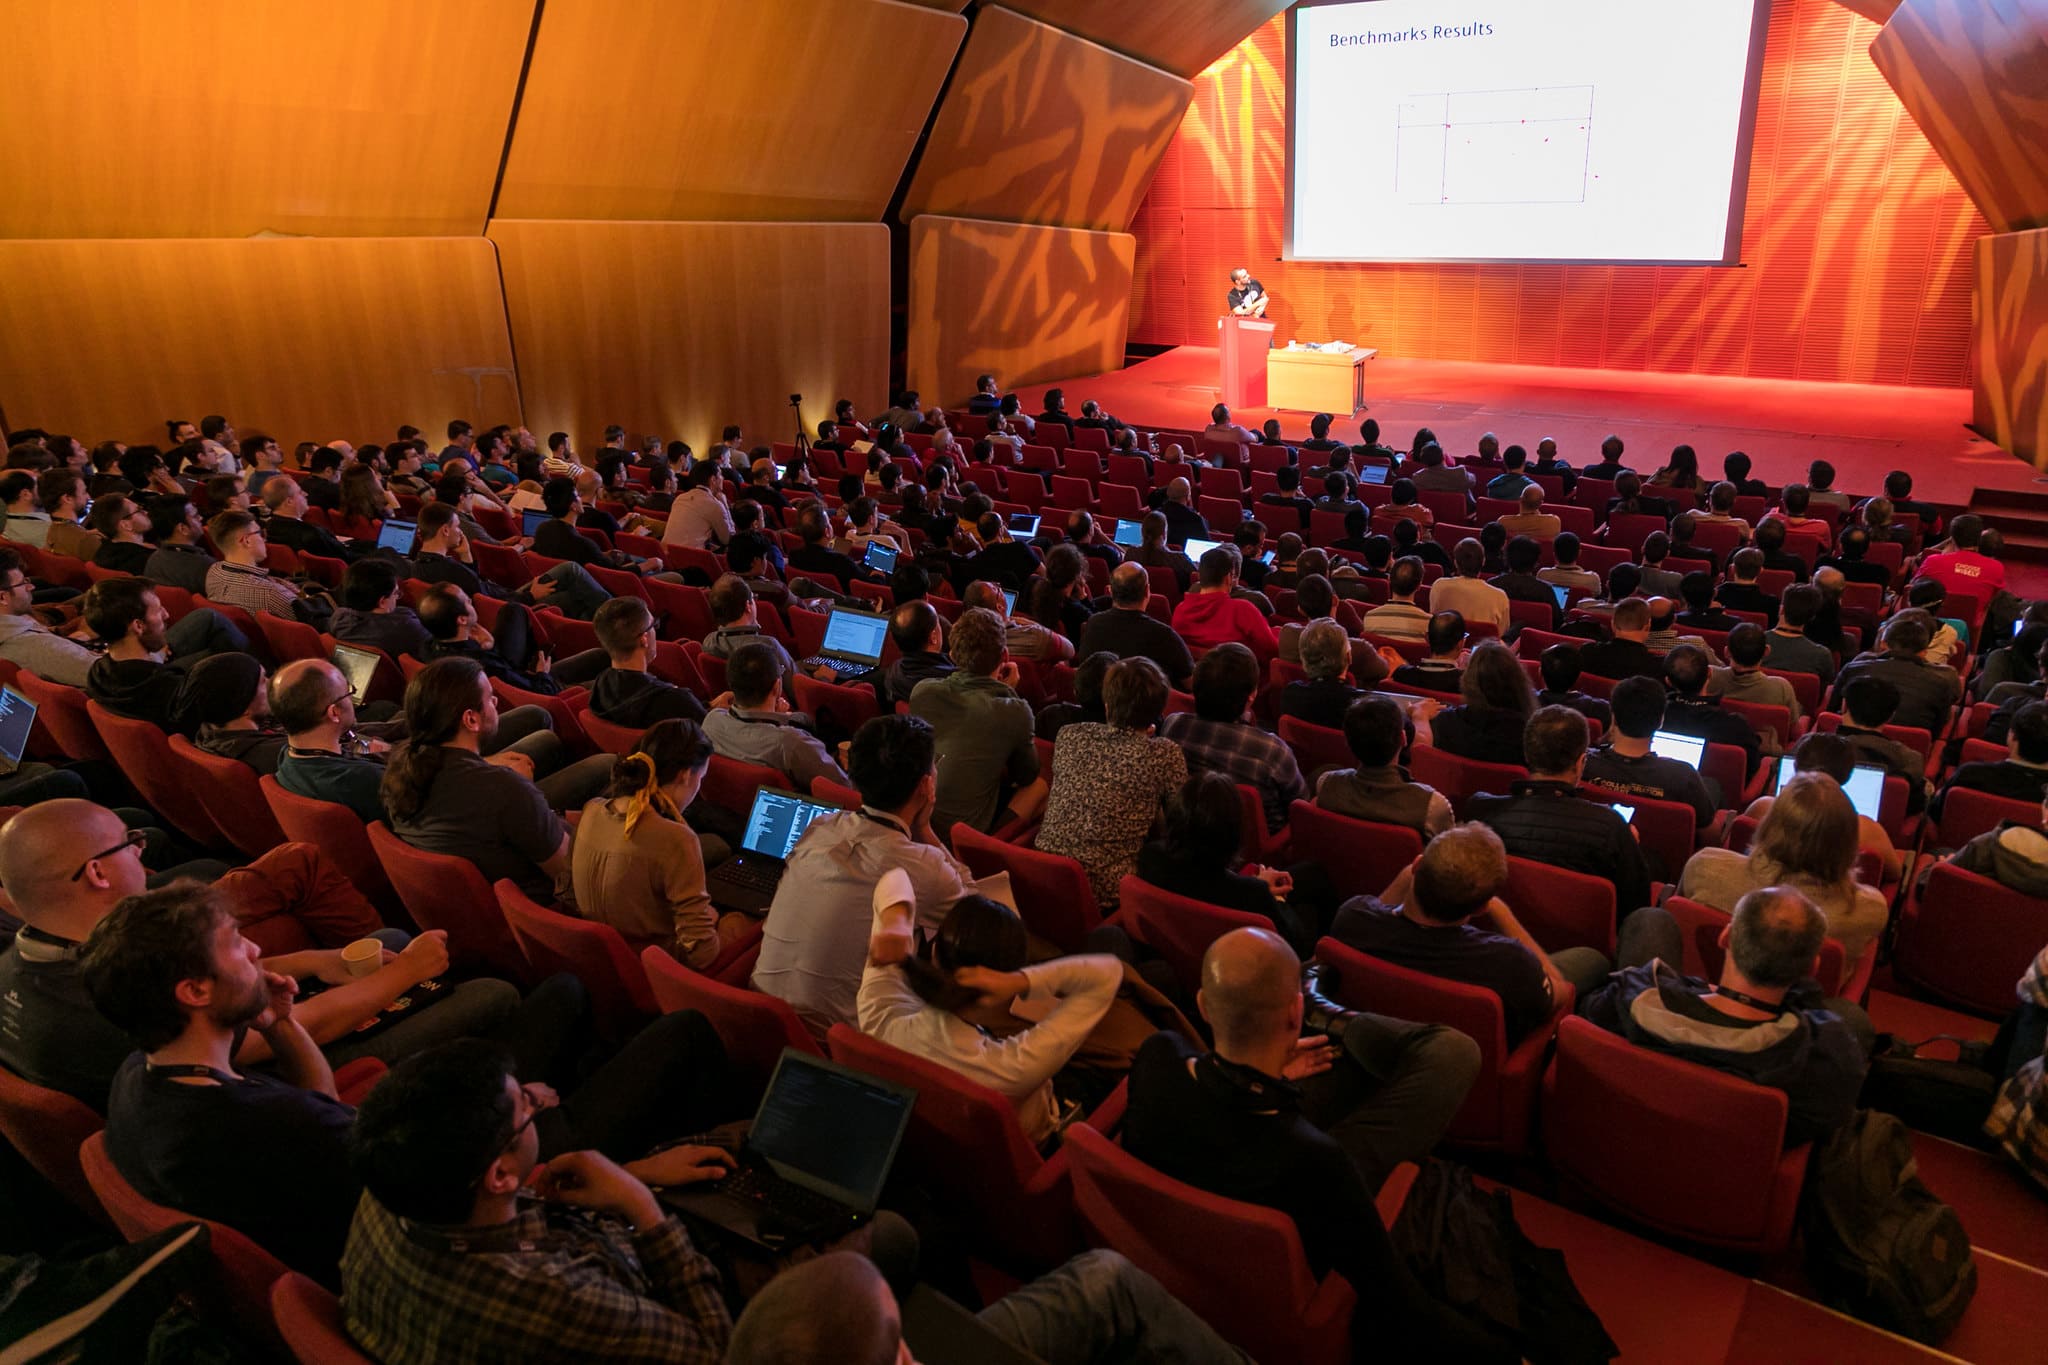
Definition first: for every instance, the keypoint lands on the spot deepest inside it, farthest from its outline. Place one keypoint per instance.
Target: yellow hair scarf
(649, 795)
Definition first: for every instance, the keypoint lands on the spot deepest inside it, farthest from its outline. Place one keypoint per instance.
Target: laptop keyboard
(751, 875)
(842, 667)
(791, 1201)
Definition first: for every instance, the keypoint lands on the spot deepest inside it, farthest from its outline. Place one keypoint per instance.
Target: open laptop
(397, 536)
(1130, 533)
(359, 666)
(813, 1163)
(1195, 549)
(1627, 813)
(531, 520)
(747, 881)
(1372, 473)
(1023, 525)
(1563, 596)
(1865, 787)
(17, 718)
(853, 644)
(1690, 750)
(879, 557)
(1009, 601)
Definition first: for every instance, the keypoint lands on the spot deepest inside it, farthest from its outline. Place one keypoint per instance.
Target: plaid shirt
(2019, 1120)
(253, 590)
(552, 1284)
(1244, 754)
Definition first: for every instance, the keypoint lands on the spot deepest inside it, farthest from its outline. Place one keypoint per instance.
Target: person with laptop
(1214, 614)
(759, 726)
(736, 621)
(1838, 758)
(988, 763)
(814, 940)
(1690, 711)
(372, 614)
(1626, 764)
(920, 638)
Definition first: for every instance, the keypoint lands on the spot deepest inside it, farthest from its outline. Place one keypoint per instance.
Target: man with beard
(136, 676)
(190, 1124)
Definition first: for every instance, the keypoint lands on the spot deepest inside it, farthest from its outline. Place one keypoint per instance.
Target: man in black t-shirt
(1247, 297)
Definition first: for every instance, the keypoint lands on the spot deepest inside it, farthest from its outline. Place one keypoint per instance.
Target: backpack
(1879, 1245)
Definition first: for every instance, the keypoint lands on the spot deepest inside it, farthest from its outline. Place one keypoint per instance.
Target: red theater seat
(309, 1319)
(595, 954)
(1052, 892)
(442, 891)
(755, 1027)
(48, 1127)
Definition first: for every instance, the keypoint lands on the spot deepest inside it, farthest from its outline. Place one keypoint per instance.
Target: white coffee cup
(363, 956)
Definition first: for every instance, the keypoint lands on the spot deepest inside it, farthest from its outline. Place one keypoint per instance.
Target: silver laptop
(359, 666)
(1865, 787)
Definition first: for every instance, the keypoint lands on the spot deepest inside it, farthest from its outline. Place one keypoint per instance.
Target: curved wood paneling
(1972, 75)
(305, 339)
(225, 118)
(1024, 303)
(786, 110)
(1181, 36)
(675, 329)
(1039, 126)
(2012, 342)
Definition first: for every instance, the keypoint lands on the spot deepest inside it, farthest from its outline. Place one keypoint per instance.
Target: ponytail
(435, 701)
(634, 781)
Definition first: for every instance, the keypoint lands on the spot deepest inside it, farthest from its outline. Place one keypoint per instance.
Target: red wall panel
(1856, 243)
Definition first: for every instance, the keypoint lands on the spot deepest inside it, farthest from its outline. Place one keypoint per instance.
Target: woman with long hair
(363, 496)
(634, 862)
(951, 1003)
(1498, 701)
(1680, 475)
(1807, 840)
(1196, 857)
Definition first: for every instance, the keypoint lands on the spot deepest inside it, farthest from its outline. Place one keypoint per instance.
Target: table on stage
(1317, 381)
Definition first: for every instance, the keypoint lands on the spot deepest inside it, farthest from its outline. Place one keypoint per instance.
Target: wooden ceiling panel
(227, 118)
(1039, 126)
(717, 110)
(1181, 36)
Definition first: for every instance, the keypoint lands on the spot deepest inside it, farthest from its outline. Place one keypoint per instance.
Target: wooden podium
(1245, 343)
(1317, 381)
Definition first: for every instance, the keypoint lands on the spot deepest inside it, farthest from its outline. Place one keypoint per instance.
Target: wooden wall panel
(787, 110)
(224, 118)
(1972, 75)
(1856, 242)
(2012, 342)
(1025, 303)
(675, 329)
(1042, 127)
(1181, 36)
(307, 339)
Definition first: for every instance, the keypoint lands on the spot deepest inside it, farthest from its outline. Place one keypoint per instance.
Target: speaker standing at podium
(1247, 298)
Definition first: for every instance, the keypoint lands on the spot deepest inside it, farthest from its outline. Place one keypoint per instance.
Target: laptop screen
(1627, 813)
(1130, 533)
(17, 718)
(830, 1128)
(1562, 594)
(855, 635)
(1009, 602)
(1195, 549)
(879, 557)
(396, 536)
(778, 820)
(1687, 749)
(1372, 473)
(530, 521)
(1865, 788)
(358, 666)
(1023, 525)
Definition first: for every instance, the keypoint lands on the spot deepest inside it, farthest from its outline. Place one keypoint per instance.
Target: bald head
(1532, 497)
(1130, 585)
(986, 595)
(1251, 989)
(303, 692)
(832, 1308)
(1774, 937)
(1830, 581)
(43, 846)
(1178, 491)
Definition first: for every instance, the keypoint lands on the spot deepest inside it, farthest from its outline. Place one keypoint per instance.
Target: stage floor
(1866, 430)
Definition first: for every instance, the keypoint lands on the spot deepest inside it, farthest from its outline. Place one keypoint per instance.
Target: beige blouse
(1855, 913)
(649, 887)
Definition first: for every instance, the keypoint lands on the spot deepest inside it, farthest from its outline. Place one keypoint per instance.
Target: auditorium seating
(593, 953)
(48, 1128)
(1967, 940)
(309, 1320)
(1052, 892)
(442, 891)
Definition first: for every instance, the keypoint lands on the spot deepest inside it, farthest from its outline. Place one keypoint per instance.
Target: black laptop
(853, 644)
(359, 666)
(813, 1163)
(748, 879)
(17, 718)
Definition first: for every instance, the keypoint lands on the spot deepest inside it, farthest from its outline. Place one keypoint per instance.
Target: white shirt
(1472, 598)
(1020, 1066)
(696, 519)
(218, 458)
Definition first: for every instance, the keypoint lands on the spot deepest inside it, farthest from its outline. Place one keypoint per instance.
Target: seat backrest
(755, 1027)
(1360, 856)
(227, 788)
(47, 1127)
(730, 784)
(143, 753)
(442, 891)
(1458, 777)
(61, 709)
(1667, 830)
(845, 797)
(595, 954)
(1241, 1265)
(1315, 746)
(1968, 939)
(1178, 928)
(1387, 988)
(1561, 908)
(843, 707)
(309, 1319)
(289, 639)
(1965, 814)
(1678, 1145)
(247, 1270)
(609, 738)
(1052, 892)
(335, 830)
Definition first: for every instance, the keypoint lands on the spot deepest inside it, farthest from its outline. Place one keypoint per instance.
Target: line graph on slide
(1528, 146)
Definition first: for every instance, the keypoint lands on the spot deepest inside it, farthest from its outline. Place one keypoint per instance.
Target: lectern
(1245, 343)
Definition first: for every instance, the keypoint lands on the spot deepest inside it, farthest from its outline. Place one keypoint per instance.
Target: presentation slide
(1521, 130)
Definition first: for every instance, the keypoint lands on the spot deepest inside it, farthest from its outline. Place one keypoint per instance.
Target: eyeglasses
(532, 1113)
(134, 839)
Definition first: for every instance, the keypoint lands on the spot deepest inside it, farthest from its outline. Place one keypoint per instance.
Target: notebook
(1023, 525)
(853, 644)
(1627, 813)
(1009, 602)
(1131, 533)
(1372, 473)
(17, 718)
(531, 520)
(879, 557)
(359, 666)
(748, 879)
(815, 1160)
(397, 536)
(1865, 787)
(1690, 750)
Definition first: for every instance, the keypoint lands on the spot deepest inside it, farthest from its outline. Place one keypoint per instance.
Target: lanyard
(1776, 1010)
(196, 1070)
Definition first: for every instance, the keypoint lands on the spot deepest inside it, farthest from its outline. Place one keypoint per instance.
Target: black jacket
(1547, 822)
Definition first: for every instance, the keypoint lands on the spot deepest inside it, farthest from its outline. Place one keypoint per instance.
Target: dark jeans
(33, 782)
(1392, 1092)
(1647, 933)
(202, 632)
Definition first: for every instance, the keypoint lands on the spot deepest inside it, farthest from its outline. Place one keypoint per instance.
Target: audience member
(1217, 735)
(1111, 779)
(1627, 654)
(143, 668)
(1791, 650)
(758, 726)
(627, 692)
(988, 764)
(1927, 694)
(1488, 725)
(1378, 789)
(2022, 775)
(1690, 711)
(1837, 758)
(1624, 764)
(1561, 666)
(1213, 614)
(1321, 697)
(1399, 617)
